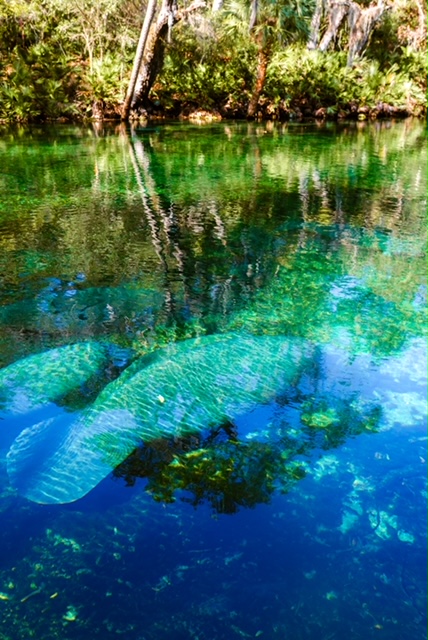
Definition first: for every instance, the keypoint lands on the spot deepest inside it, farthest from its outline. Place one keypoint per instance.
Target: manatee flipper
(47, 464)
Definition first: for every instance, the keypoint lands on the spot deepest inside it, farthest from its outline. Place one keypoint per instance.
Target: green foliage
(277, 22)
(217, 72)
(57, 59)
(392, 86)
(61, 59)
(39, 84)
(412, 65)
(228, 474)
(298, 77)
(207, 73)
(102, 83)
(37, 74)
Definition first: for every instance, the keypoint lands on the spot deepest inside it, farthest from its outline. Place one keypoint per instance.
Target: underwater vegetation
(229, 470)
(318, 292)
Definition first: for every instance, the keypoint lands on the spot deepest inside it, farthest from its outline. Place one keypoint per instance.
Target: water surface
(304, 516)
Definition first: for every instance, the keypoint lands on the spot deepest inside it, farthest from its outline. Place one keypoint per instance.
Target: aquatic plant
(230, 470)
(228, 475)
(65, 307)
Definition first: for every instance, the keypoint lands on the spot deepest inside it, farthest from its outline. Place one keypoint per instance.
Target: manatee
(184, 388)
(194, 385)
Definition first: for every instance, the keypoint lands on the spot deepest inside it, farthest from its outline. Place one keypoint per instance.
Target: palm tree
(268, 24)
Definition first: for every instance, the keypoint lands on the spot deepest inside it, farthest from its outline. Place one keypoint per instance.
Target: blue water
(317, 235)
(131, 566)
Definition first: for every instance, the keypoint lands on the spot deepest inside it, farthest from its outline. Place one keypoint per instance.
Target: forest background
(272, 59)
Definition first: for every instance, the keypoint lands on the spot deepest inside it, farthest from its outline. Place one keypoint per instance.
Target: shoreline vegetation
(275, 60)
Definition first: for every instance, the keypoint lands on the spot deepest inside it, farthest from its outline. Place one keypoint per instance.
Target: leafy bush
(58, 58)
(101, 84)
(299, 77)
(213, 73)
(38, 83)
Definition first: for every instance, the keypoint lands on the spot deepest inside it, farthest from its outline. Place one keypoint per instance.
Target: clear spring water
(303, 517)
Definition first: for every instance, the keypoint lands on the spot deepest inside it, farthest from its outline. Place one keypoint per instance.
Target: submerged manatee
(191, 386)
(183, 388)
(32, 382)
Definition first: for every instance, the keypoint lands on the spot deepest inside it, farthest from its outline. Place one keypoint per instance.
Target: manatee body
(191, 386)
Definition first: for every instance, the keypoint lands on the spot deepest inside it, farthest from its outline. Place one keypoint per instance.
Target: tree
(151, 50)
(148, 19)
(268, 24)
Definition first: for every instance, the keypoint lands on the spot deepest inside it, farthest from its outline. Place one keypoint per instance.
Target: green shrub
(101, 84)
(297, 76)
(209, 73)
(38, 84)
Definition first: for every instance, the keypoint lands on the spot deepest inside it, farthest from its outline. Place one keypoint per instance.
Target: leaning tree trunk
(153, 57)
(152, 61)
(148, 19)
(336, 13)
(361, 25)
(314, 34)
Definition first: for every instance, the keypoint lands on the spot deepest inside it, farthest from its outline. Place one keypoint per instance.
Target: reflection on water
(311, 236)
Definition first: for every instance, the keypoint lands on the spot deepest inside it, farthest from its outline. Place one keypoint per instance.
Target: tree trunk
(153, 57)
(420, 35)
(148, 19)
(361, 25)
(253, 15)
(314, 35)
(336, 13)
(263, 58)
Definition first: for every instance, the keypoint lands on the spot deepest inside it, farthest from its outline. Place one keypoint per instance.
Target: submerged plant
(230, 472)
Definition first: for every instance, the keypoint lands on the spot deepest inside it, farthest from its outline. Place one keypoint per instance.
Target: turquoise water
(213, 383)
